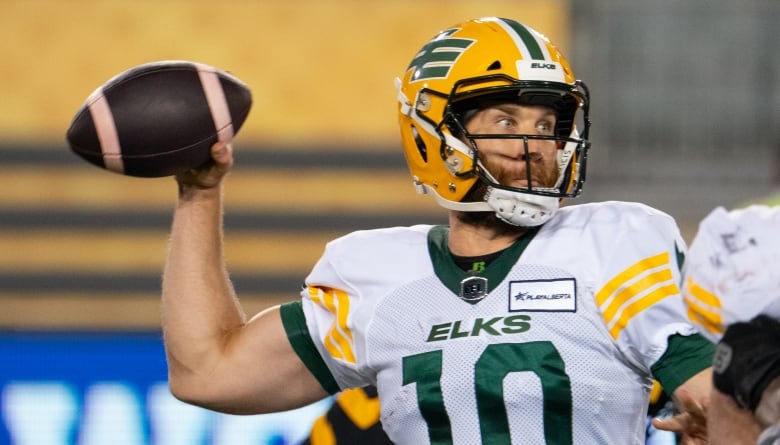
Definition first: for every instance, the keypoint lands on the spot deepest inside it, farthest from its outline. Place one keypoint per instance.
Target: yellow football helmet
(489, 58)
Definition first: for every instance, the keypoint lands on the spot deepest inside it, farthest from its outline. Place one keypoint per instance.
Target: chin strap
(521, 209)
(425, 189)
(518, 209)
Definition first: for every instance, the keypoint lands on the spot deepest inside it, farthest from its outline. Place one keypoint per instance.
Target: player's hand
(691, 423)
(210, 174)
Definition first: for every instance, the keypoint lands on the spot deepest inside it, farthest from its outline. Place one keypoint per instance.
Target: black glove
(747, 359)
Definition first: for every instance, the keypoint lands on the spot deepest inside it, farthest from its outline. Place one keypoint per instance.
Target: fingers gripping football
(210, 174)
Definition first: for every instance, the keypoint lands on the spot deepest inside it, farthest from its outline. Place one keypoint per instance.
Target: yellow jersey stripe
(628, 274)
(636, 288)
(702, 294)
(320, 297)
(338, 342)
(701, 319)
(704, 307)
(643, 303)
(345, 334)
(332, 347)
(630, 291)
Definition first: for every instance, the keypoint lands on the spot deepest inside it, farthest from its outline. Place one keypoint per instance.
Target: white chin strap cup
(520, 209)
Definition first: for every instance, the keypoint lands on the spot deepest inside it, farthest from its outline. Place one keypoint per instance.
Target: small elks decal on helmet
(436, 58)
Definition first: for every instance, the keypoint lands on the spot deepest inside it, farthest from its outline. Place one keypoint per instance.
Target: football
(159, 118)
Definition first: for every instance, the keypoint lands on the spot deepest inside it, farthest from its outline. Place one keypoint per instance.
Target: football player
(732, 290)
(520, 321)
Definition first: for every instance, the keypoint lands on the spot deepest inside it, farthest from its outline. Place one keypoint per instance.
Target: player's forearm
(199, 309)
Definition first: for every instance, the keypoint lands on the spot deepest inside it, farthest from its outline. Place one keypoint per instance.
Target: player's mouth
(523, 183)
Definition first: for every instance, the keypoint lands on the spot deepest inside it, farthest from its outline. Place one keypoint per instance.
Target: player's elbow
(188, 391)
(193, 389)
(201, 393)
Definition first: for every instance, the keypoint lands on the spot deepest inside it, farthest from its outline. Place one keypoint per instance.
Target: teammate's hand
(210, 174)
(768, 411)
(691, 423)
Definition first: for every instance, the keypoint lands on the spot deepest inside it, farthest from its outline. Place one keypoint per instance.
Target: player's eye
(506, 123)
(545, 127)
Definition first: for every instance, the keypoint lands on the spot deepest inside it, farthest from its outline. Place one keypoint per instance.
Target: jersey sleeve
(329, 306)
(685, 356)
(640, 301)
(341, 293)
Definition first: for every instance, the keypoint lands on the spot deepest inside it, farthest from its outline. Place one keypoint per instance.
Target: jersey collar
(452, 276)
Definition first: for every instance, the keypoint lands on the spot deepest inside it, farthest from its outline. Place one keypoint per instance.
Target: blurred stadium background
(686, 100)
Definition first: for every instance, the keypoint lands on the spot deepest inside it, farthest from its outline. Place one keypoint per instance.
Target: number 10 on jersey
(495, 363)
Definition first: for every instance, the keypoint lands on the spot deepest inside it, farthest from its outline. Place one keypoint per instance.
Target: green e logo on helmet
(436, 58)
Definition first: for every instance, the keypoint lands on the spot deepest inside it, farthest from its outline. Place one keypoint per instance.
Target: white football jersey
(552, 343)
(732, 271)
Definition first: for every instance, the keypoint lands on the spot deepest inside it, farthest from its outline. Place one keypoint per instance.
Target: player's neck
(469, 237)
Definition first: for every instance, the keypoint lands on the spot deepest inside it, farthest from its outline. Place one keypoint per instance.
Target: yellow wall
(322, 75)
(320, 70)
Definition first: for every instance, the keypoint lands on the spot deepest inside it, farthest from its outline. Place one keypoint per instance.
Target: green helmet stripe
(436, 58)
(528, 39)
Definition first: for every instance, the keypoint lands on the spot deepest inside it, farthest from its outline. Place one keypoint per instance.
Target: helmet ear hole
(421, 147)
(496, 65)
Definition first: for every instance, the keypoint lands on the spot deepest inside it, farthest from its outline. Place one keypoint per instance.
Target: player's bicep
(261, 371)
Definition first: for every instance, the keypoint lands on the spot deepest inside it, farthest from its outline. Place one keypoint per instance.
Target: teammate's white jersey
(559, 351)
(733, 270)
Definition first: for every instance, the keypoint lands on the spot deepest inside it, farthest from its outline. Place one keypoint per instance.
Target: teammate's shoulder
(752, 214)
(757, 221)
